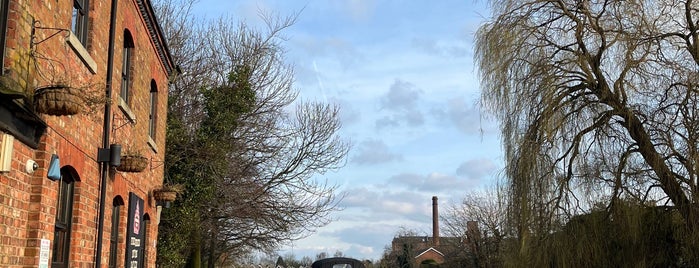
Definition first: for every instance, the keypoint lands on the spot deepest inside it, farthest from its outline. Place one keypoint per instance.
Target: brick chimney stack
(435, 221)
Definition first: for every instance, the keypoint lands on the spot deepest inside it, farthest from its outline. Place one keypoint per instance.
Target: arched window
(117, 203)
(152, 114)
(64, 216)
(127, 54)
(146, 240)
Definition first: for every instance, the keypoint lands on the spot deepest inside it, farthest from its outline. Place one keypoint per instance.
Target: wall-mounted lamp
(111, 155)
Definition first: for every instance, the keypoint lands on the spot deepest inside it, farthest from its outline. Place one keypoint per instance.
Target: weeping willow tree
(627, 235)
(597, 102)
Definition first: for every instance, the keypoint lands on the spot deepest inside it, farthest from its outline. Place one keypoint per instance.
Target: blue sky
(404, 76)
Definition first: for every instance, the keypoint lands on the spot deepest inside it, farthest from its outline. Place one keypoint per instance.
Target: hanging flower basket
(133, 163)
(167, 193)
(164, 195)
(58, 100)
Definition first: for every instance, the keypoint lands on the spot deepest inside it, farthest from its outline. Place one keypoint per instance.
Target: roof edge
(156, 35)
(426, 250)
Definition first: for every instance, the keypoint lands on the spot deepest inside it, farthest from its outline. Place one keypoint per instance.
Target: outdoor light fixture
(111, 155)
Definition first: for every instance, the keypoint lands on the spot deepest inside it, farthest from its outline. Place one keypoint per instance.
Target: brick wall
(28, 201)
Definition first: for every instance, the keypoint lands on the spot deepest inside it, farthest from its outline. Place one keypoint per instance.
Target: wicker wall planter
(164, 195)
(58, 100)
(167, 194)
(132, 163)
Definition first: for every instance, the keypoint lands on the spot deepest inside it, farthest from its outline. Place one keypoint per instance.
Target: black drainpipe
(105, 133)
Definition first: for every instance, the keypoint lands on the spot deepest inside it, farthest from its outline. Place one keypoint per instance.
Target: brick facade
(39, 51)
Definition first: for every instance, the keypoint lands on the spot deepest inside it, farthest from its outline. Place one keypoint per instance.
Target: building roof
(156, 35)
(428, 250)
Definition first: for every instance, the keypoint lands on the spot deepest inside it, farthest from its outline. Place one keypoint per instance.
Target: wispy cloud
(431, 183)
(374, 152)
(402, 75)
(457, 49)
(388, 201)
(402, 105)
(477, 169)
(462, 115)
(401, 96)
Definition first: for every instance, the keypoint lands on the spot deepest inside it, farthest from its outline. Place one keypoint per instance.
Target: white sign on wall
(44, 253)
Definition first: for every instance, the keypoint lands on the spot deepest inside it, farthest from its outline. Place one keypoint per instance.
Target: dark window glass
(114, 237)
(126, 67)
(152, 116)
(3, 30)
(64, 213)
(146, 242)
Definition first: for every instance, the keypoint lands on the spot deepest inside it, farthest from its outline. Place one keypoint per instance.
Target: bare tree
(486, 207)
(238, 139)
(480, 220)
(593, 96)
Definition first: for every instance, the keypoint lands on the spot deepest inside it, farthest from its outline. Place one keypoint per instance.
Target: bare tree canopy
(479, 220)
(245, 149)
(596, 98)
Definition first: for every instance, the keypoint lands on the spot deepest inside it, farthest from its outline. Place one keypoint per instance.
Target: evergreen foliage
(245, 150)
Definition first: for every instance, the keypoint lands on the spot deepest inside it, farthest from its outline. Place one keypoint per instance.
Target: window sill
(82, 53)
(127, 111)
(152, 145)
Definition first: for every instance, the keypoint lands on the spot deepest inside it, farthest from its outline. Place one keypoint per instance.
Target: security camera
(31, 166)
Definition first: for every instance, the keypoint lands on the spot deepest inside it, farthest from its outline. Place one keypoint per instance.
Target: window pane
(3, 28)
(78, 22)
(59, 237)
(125, 74)
(151, 117)
(65, 203)
(64, 209)
(114, 238)
(153, 109)
(74, 21)
(146, 243)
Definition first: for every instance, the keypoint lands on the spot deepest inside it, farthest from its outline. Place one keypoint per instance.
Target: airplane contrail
(320, 82)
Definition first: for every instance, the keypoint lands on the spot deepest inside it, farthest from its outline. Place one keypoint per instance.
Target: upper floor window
(126, 67)
(64, 216)
(152, 115)
(4, 5)
(78, 24)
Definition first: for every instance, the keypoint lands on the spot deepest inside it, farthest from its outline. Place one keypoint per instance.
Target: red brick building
(436, 251)
(81, 79)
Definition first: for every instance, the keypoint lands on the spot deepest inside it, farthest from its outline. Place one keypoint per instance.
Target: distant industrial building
(434, 251)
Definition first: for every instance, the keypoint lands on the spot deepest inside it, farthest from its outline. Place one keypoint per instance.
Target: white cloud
(401, 67)
(431, 183)
(476, 169)
(401, 103)
(456, 49)
(386, 122)
(463, 116)
(387, 203)
(373, 152)
(402, 96)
